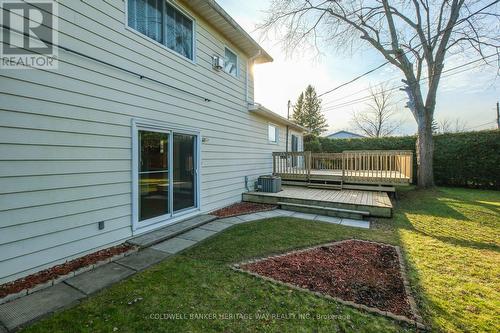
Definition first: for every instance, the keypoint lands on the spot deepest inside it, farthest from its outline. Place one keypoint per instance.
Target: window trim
(237, 61)
(166, 219)
(277, 133)
(183, 11)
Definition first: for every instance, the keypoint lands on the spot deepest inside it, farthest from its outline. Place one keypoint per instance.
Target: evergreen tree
(298, 110)
(307, 112)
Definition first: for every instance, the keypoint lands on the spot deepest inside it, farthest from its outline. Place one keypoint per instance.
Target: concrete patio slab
(197, 234)
(216, 226)
(99, 278)
(252, 217)
(355, 223)
(170, 231)
(174, 245)
(305, 216)
(270, 213)
(284, 212)
(328, 219)
(25, 310)
(231, 220)
(143, 259)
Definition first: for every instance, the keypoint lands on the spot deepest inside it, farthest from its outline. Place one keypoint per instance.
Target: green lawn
(450, 238)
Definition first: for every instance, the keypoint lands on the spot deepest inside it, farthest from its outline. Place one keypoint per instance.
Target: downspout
(287, 117)
(250, 60)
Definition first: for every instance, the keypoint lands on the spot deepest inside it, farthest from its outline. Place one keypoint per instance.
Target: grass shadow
(439, 250)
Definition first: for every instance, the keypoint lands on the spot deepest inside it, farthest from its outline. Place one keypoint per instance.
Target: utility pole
(287, 117)
(498, 115)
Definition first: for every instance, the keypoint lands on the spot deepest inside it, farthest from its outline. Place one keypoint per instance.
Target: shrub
(470, 159)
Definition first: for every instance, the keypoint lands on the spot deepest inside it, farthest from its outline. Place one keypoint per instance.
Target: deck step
(326, 186)
(329, 211)
(159, 235)
(294, 183)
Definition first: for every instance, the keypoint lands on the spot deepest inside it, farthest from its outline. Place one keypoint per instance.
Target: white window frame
(237, 61)
(183, 11)
(172, 217)
(276, 133)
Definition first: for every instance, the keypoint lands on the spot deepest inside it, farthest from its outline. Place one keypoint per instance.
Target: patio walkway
(25, 310)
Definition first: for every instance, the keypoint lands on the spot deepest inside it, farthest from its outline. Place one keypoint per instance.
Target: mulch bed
(46, 275)
(357, 271)
(241, 208)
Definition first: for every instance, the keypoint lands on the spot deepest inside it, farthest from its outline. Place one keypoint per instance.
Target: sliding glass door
(184, 171)
(166, 176)
(153, 174)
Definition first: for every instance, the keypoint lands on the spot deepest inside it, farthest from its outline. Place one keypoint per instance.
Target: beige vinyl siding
(65, 135)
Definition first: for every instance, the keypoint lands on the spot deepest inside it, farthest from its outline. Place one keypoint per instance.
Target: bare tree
(378, 119)
(447, 125)
(414, 36)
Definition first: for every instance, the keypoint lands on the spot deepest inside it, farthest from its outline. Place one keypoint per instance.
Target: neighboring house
(344, 135)
(90, 143)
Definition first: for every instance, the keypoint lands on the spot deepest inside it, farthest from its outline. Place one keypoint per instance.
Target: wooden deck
(320, 175)
(374, 203)
(375, 168)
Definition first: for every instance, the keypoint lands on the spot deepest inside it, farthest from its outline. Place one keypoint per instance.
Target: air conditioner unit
(270, 184)
(218, 63)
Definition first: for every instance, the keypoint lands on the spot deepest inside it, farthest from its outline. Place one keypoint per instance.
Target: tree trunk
(425, 151)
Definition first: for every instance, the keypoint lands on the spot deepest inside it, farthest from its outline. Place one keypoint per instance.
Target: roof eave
(260, 110)
(214, 14)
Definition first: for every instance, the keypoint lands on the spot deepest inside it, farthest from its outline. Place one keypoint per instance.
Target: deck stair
(325, 186)
(327, 211)
(331, 202)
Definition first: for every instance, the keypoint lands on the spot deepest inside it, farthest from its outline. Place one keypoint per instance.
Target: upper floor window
(162, 22)
(273, 133)
(231, 62)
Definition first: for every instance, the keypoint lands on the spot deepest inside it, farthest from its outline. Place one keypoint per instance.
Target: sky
(469, 96)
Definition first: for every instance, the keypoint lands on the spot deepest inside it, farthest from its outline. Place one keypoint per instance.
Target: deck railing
(292, 165)
(378, 166)
(361, 166)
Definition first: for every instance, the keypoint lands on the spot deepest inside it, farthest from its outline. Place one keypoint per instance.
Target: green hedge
(470, 159)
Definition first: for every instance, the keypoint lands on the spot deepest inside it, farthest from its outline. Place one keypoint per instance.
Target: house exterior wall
(66, 137)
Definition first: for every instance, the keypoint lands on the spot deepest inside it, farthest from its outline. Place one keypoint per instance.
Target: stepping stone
(304, 216)
(174, 245)
(216, 226)
(197, 234)
(269, 213)
(252, 217)
(231, 220)
(142, 259)
(159, 235)
(328, 219)
(99, 278)
(355, 223)
(284, 212)
(27, 309)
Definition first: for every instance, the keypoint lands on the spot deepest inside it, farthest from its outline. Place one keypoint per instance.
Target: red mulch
(356, 271)
(31, 281)
(241, 208)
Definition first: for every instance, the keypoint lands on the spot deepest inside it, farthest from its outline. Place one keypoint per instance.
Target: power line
(404, 53)
(490, 122)
(380, 84)
(364, 98)
(368, 97)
